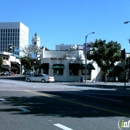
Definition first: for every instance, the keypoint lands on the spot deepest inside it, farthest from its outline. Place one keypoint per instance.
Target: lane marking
(78, 103)
(24, 109)
(62, 126)
(3, 100)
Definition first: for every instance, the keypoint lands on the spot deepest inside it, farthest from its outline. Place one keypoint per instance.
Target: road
(61, 106)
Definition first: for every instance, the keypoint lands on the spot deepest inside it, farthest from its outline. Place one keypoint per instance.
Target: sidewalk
(119, 87)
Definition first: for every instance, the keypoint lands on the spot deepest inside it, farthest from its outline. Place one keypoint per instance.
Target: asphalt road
(61, 106)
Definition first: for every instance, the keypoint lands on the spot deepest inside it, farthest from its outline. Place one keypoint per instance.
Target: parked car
(5, 73)
(41, 78)
(11, 73)
(29, 74)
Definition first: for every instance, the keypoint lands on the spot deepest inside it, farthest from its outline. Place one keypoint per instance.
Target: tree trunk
(105, 78)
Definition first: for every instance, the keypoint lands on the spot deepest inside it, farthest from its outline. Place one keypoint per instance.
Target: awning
(14, 68)
(15, 64)
(58, 66)
(5, 67)
(17, 56)
(74, 66)
(89, 66)
(44, 66)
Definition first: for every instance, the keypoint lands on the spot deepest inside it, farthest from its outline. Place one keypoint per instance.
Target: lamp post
(126, 22)
(86, 55)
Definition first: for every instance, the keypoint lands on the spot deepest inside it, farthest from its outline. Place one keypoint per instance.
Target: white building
(14, 33)
(11, 62)
(68, 64)
(36, 40)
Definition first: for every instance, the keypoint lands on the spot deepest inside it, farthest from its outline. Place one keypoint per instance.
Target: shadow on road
(15, 77)
(65, 104)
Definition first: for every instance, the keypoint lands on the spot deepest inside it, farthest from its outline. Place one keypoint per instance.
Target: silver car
(41, 78)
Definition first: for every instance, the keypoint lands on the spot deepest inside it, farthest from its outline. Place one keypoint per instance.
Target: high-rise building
(14, 33)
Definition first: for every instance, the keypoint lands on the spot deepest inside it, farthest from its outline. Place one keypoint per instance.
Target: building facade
(36, 40)
(14, 33)
(69, 65)
(11, 62)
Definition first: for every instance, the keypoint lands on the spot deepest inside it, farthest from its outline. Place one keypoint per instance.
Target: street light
(86, 55)
(126, 22)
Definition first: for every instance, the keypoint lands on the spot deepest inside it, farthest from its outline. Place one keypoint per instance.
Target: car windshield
(45, 75)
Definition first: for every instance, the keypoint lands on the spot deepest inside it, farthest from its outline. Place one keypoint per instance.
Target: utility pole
(123, 56)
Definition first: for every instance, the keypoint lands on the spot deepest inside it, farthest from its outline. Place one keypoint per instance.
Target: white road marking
(62, 126)
(3, 100)
(23, 109)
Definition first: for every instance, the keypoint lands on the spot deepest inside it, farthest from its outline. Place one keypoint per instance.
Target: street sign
(16, 50)
(33, 56)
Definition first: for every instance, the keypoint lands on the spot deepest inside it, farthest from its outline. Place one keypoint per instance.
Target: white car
(41, 78)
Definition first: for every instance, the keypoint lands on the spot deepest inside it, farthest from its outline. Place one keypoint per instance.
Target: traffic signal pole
(123, 55)
(10, 48)
(125, 73)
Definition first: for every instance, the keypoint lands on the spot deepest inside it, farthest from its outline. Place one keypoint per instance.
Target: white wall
(52, 57)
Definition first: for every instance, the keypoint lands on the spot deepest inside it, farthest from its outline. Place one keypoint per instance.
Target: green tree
(105, 54)
(26, 62)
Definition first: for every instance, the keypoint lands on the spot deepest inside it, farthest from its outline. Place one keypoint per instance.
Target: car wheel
(28, 80)
(43, 80)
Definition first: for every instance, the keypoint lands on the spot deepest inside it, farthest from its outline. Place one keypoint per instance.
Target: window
(58, 71)
(88, 71)
(45, 71)
(74, 72)
(74, 69)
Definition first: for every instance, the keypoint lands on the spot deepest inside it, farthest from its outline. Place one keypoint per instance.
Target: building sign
(71, 56)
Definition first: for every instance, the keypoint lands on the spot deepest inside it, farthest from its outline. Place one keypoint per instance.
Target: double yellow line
(77, 103)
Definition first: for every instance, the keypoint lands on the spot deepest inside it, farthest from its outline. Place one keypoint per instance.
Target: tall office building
(14, 33)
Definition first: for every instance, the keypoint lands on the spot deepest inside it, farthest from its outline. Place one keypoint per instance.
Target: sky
(69, 21)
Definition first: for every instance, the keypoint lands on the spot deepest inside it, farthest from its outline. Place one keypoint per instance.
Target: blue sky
(69, 21)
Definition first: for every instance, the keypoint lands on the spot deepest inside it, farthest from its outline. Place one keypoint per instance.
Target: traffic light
(10, 47)
(123, 54)
(35, 61)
